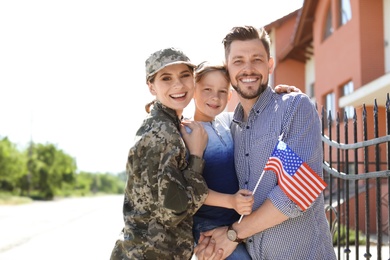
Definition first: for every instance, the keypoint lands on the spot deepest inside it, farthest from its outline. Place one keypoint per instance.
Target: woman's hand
(196, 140)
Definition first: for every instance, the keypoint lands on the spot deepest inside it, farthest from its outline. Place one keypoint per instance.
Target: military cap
(162, 58)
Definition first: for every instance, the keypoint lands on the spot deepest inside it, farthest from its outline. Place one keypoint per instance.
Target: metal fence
(357, 170)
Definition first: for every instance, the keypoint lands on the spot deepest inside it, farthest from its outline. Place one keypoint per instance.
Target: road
(71, 229)
(82, 228)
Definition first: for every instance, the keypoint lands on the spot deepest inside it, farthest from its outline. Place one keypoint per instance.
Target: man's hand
(282, 88)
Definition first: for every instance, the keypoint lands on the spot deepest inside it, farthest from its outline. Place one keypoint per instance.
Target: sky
(72, 72)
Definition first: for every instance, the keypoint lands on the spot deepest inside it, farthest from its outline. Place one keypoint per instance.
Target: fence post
(367, 255)
(378, 186)
(346, 250)
(338, 187)
(356, 158)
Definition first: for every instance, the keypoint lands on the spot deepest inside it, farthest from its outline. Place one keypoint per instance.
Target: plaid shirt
(305, 235)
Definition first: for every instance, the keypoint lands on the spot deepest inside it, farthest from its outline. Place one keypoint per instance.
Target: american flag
(300, 183)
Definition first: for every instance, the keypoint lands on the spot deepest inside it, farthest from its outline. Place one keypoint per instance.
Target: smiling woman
(158, 215)
(72, 71)
(172, 82)
(173, 87)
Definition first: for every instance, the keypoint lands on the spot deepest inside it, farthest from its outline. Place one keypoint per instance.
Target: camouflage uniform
(163, 192)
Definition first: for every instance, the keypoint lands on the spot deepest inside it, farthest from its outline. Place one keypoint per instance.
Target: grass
(8, 199)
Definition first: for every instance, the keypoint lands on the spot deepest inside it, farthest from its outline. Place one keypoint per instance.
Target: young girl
(212, 92)
(165, 186)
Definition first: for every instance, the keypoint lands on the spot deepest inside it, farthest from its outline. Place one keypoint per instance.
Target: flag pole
(261, 177)
(253, 192)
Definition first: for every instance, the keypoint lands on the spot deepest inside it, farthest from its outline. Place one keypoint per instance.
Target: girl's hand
(242, 202)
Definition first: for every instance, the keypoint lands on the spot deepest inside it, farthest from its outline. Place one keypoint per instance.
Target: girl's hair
(205, 67)
(245, 33)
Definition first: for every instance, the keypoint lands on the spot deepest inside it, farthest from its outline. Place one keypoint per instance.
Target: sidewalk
(79, 228)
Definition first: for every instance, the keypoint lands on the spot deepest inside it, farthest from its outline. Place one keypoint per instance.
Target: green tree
(13, 168)
(83, 184)
(110, 183)
(50, 168)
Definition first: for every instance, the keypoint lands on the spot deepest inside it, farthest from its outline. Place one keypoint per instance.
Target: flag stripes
(299, 182)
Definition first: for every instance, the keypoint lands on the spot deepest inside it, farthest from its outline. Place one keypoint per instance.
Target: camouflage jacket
(163, 192)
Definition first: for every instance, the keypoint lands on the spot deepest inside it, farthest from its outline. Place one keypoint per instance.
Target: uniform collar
(158, 107)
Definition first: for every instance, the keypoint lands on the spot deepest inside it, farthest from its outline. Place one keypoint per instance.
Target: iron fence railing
(358, 178)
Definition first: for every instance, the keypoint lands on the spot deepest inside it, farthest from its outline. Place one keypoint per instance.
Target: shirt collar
(257, 108)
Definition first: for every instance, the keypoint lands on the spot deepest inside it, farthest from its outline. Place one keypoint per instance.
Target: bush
(343, 236)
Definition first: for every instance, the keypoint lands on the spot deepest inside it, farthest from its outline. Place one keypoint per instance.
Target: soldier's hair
(148, 105)
(203, 68)
(245, 33)
(151, 78)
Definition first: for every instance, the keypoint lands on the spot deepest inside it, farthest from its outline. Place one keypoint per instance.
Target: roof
(300, 46)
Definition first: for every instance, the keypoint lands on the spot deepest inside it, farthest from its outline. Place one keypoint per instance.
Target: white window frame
(345, 11)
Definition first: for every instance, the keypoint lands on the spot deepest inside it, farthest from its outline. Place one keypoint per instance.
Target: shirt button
(250, 240)
(247, 127)
(247, 154)
(246, 182)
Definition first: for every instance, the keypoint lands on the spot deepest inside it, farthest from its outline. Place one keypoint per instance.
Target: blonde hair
(205, 67)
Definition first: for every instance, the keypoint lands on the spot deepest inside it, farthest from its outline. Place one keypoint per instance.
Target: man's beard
(251, 95)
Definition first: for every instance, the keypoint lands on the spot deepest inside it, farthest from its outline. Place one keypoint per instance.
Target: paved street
(74, 229)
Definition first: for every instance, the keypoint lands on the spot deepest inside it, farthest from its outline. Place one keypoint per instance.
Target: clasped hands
(214, 244)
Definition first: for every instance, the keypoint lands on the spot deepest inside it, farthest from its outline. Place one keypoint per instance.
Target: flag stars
(291, 161)
(302, 185)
